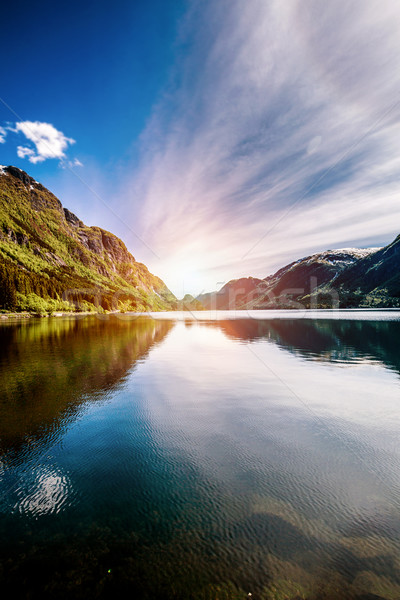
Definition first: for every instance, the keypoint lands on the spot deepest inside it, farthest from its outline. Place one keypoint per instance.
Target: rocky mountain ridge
(343, 278)
(50, 260)
(48, 252)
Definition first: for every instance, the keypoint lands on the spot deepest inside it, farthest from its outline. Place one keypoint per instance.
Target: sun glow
(185, 280)
(186, 276)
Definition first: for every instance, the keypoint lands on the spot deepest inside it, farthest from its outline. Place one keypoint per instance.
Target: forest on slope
(51, 261)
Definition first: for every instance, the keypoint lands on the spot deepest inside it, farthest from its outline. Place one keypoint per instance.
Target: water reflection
(51, 368)
(192, 471)
(323, 340)
(45, 492)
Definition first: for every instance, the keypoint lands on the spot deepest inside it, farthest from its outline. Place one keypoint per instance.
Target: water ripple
(47, 492)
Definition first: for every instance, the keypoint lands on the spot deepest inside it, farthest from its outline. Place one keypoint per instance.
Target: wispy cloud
(69, 164)
(76, 163)
(273, 104)
(3, 133)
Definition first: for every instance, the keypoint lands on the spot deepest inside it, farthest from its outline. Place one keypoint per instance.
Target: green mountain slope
(50, 260)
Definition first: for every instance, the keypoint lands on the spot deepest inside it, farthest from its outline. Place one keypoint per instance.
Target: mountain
(376, 277)
(190, 303)
(233, 294)
(50, 260)
(348, 277)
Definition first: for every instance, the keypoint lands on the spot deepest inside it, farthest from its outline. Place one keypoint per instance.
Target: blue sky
(217, 138)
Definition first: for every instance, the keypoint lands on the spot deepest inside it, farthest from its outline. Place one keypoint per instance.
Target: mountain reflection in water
(51, 368)
(325, 340)
(200, 460)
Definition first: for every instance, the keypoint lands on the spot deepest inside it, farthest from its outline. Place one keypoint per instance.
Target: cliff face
(48, 251)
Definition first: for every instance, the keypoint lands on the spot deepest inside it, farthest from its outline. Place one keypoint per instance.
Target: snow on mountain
(341, 255)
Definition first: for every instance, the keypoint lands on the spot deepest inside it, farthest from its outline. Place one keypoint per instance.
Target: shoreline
(28, 315)
(19, 316)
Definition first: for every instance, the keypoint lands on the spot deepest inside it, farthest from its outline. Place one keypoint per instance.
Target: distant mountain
(376, 277)
(50, 260)
(188, 302)
(348, 277)
(233, 294)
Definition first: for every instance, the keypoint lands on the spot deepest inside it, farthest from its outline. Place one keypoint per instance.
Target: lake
(178, 458)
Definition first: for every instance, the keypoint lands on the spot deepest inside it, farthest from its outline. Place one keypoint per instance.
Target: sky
(217, 138)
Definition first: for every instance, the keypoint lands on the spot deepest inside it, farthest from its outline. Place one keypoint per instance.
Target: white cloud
(3, 133)
(70, 164)
(49, 142)
(23, 152)
(271, 105)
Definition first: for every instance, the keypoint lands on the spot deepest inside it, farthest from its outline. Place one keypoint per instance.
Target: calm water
(177, 459)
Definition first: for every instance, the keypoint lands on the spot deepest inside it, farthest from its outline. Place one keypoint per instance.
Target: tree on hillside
(8, 294)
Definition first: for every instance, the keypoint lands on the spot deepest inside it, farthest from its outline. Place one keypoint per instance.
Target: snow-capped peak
(340, 255)
(356, 252)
